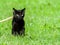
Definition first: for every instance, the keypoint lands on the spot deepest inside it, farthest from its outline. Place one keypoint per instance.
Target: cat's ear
(14, 10)
(23, 10)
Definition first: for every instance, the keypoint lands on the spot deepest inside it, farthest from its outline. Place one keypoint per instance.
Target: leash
(6, 19)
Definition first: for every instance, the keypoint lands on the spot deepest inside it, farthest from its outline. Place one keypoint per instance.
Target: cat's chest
(19, 24)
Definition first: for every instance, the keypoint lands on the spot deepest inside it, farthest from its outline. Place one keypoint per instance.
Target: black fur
(18, 22)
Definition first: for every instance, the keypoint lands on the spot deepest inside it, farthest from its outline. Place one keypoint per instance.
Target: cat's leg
(22, 32)
(14, 32)
(13, 28)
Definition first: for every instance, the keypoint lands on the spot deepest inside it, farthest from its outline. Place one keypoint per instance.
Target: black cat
(18, 22)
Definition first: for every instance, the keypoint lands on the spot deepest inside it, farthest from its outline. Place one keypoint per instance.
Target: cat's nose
(19, 17)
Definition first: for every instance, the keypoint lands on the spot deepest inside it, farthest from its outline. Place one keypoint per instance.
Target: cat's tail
(5, 19)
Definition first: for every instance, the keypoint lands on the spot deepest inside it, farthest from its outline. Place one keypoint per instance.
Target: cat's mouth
(18, 18)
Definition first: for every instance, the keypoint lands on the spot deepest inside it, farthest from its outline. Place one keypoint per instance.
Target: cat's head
(18, 14)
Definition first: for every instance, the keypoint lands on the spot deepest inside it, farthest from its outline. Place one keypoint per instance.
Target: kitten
(18, 23)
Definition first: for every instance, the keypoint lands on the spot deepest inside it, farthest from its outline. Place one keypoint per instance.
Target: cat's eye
(17, 15)
(22, 15)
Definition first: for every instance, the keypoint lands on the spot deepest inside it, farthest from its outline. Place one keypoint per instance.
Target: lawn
(42, 22)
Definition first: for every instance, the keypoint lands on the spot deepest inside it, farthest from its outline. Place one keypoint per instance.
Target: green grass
(42, 22)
